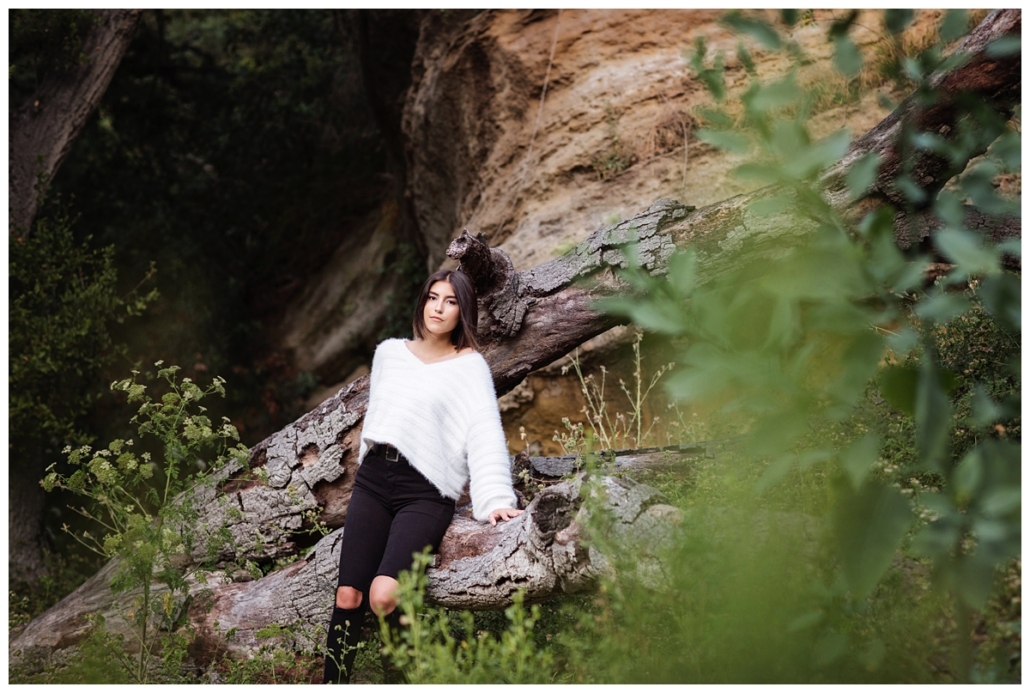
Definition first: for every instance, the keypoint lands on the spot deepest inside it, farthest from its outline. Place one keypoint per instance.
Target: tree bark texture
(478, 567)
(25, 503)
(528, 320)
(43, 129)
(994, 81)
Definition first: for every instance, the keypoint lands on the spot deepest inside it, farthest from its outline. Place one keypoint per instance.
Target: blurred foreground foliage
(788, 340)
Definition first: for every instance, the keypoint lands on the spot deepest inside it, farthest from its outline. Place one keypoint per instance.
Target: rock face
(332, 326)
(535, 128)
(614, 131)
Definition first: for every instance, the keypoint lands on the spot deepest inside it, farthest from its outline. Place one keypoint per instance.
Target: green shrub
(436, 646)
(140, 512)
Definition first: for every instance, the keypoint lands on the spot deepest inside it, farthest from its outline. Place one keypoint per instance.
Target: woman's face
(441, 312)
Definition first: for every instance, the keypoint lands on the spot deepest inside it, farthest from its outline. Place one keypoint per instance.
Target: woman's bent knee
(348, 597)
(382, 596)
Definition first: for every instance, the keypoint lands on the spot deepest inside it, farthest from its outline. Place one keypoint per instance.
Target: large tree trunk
(25, 502)
(529, 319)
(41, 134)
(478, 567)
(43, 129)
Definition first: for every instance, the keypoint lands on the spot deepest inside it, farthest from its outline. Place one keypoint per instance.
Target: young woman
(432, 424)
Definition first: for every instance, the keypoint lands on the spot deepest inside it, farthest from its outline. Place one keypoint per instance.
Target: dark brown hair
(464, 333)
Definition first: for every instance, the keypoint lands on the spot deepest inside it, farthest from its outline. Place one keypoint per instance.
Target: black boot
(391, 672)
(342, 643)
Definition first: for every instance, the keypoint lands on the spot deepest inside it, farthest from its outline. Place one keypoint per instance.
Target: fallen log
(670, 456)
(541, 553)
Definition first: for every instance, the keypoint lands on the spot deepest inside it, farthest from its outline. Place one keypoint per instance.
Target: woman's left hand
(503, 514)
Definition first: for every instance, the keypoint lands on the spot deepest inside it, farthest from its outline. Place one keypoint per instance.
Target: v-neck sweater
(443, 417)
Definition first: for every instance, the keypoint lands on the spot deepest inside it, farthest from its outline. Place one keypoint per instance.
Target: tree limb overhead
(43, 129)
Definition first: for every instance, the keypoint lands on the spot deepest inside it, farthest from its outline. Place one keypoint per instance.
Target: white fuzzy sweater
(443, 417)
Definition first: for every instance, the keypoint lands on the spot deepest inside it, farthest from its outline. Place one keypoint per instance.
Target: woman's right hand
(503, 514)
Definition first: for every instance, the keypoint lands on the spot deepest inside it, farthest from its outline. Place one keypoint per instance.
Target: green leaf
(935, 540)
(930, 141)
(942, 307)
(975, 579)
(789, 17)
(685, 385)
(912, 69)
(784, 324)
(659, 317)
(989, 531)
(985, 410)
(716, 117)
(912, 192)
(932, 415)
(761, 174)
(885, 260)
(765, 34)
(896, 20)
(615, 306)
(772, 205)
(965, 249)
(1002, 501)
(683, 272)
(903, 341)
(1004, 47)
(873, 657)
(810, 457)
(861, 176)
(727, 140)
(953, 26)
(777, 433)
(1009, 149)
(712, 77)
(774, 96)
(860, 457)
(948, 206)
(1011, 246)
(910, 277)
(846, 57)
(886, 102)
(978, 185)
(775, 473)
(744, 56)
(859, 366)
(829, 648)
(788, 138)
(810, 160)
(805, 621)
(1001, 295)
(968, 474)
(939, 503)
(953, 61)
(869, 525)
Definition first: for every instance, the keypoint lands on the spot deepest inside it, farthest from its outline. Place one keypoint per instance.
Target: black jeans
(394, 512)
